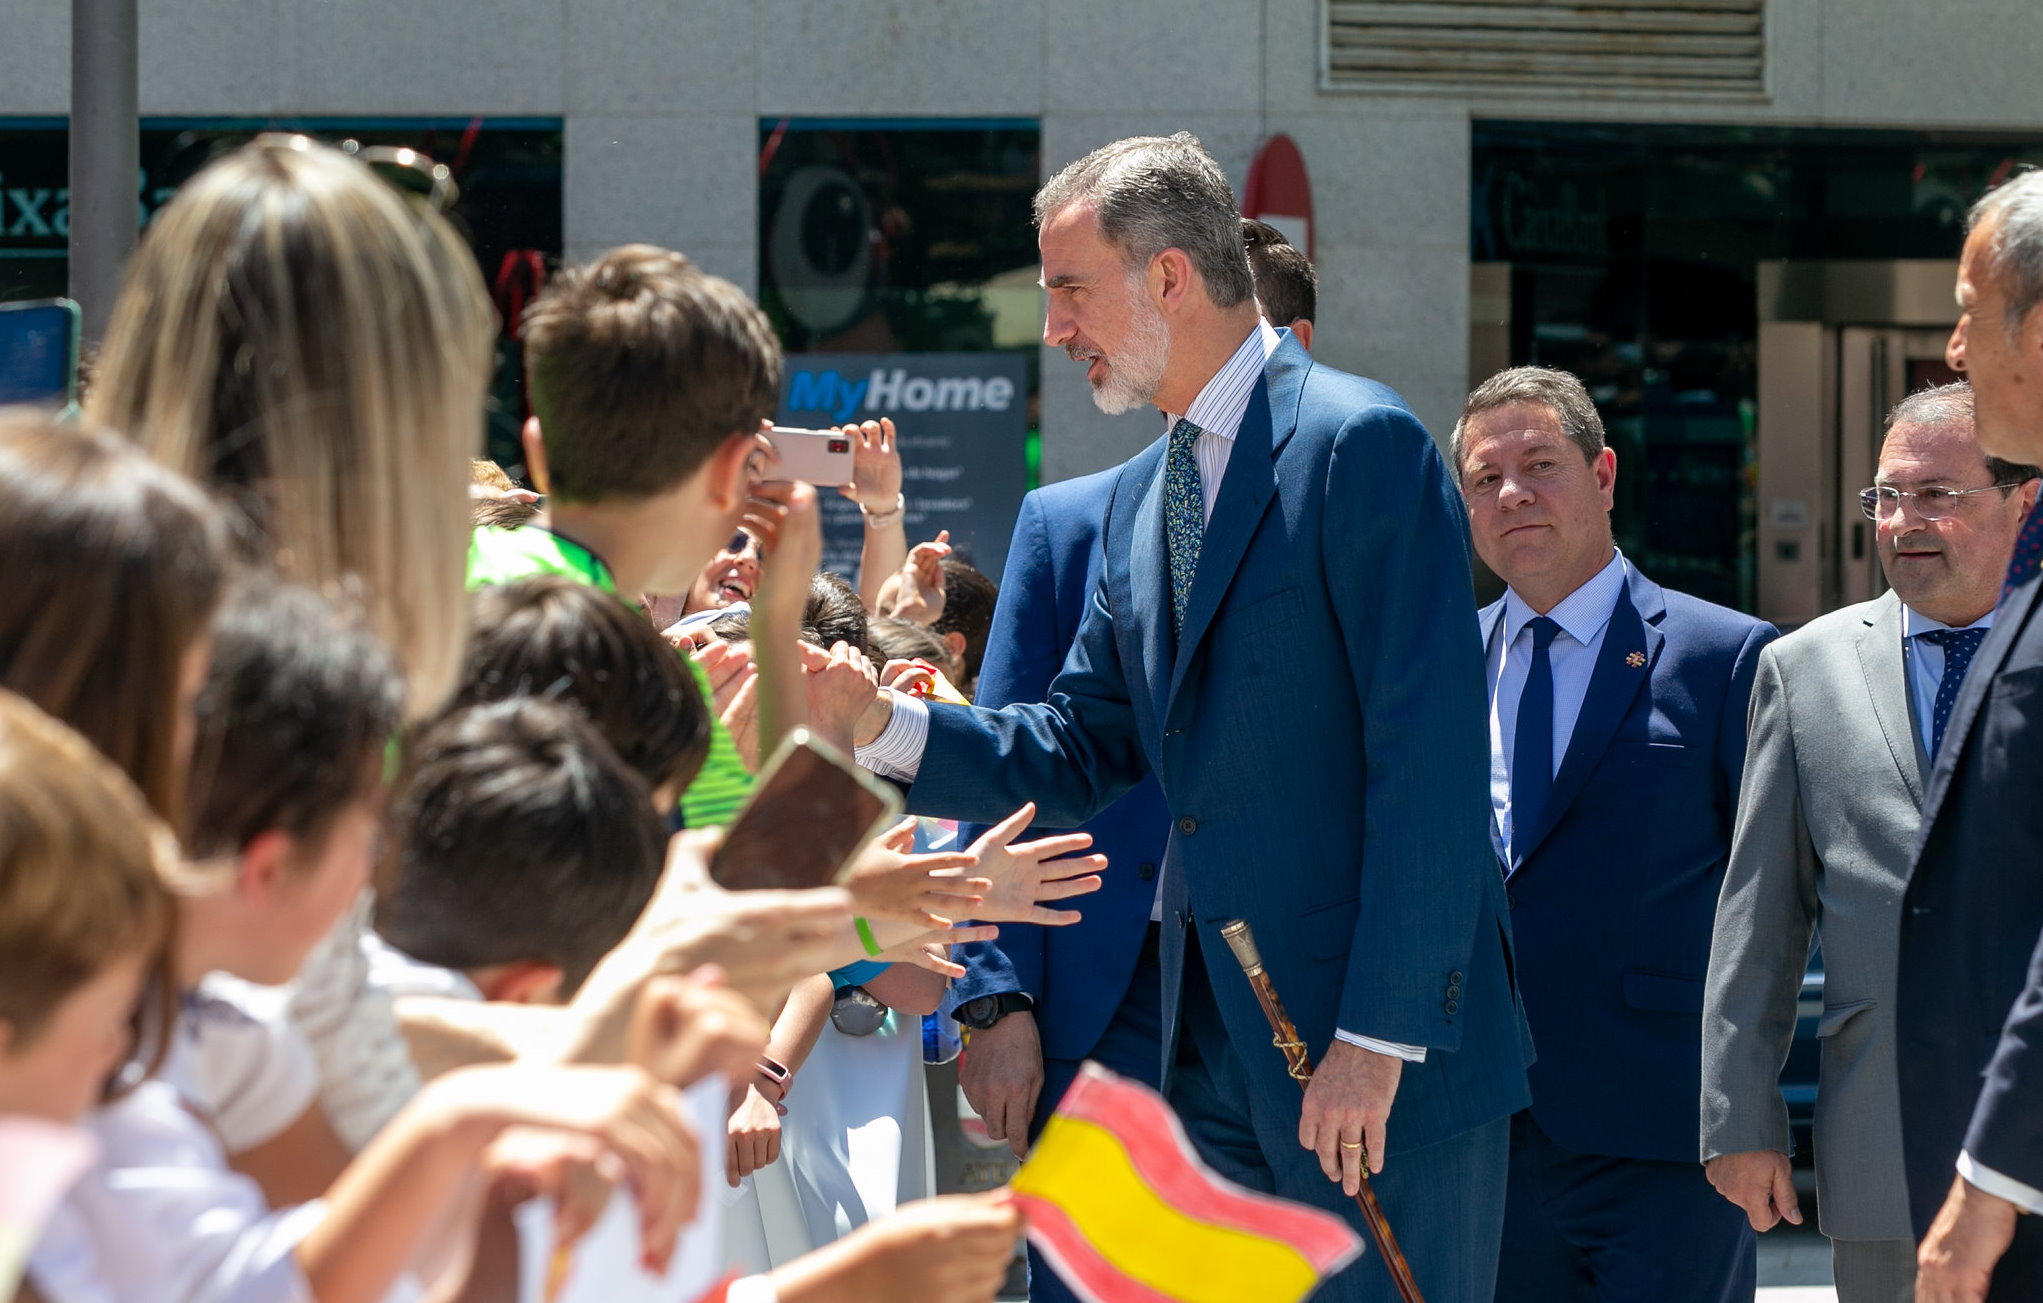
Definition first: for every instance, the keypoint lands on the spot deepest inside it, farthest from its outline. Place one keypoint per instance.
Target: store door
(1839, 344)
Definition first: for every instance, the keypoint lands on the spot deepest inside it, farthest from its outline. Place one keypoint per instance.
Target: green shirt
(501, 556)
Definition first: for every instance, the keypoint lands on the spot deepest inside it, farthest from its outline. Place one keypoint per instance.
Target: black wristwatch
(983, 1012)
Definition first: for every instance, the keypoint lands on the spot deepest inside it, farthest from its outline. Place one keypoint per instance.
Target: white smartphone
(819, 457)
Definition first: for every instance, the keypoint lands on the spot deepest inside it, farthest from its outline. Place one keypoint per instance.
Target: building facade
(1492, 182)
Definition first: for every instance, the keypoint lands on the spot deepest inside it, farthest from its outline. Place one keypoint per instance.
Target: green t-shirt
(500, 556)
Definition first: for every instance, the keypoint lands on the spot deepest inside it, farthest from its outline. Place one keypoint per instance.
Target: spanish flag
(1123, 1207)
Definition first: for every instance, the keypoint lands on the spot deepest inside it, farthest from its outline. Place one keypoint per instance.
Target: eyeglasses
(410, 172)
(1933, 503)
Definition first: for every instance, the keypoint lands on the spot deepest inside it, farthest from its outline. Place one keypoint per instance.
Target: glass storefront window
(509, 170)
(898, 262)
(1629, 255)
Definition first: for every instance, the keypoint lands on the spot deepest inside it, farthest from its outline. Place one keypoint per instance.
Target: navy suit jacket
(1969, 925)
(1077, 974)
(1615, 893)
(1319, 733)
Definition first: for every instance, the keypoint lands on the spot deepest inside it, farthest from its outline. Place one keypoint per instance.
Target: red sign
(1278, 191)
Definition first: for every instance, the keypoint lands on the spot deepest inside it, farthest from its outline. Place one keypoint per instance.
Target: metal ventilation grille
(1712, 49)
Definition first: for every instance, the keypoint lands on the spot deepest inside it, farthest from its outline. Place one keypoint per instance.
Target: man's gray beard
(1133, 379)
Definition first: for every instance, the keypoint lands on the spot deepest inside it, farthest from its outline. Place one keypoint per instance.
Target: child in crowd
(553, 636)
(114, 568)
(966, 619)
(522, 849)
(85, 916)
(296, 717)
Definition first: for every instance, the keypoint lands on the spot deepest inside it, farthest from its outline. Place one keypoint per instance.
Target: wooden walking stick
(1243, 943)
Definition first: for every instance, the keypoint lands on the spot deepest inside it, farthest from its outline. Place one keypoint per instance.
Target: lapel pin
(1636, 659)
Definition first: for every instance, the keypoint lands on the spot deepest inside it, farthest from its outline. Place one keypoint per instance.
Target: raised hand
(889, 881)
(1024, 877)
(915, 593)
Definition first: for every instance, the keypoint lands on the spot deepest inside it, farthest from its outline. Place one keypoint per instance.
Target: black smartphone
(812, 811)
(39, 353)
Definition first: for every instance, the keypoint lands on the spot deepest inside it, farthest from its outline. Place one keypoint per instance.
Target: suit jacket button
(1188, 825)
(1146, 872)
(1454, 976)
(1454, 992)
(1453, 1007)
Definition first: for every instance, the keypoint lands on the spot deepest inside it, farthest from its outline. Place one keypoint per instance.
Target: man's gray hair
(2014, 258)
(1159, 192)
(1559, 392)
(1952, 404)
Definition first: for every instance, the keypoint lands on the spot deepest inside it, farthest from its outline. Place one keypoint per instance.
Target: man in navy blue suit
(1970, 982)
(1617, 737)
(1283, 633)
(1042, 1001)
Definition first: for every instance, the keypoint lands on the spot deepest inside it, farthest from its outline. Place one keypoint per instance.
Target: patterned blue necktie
(1532, 746)
(1184, 517)
(2028, 551)
(1959, 645)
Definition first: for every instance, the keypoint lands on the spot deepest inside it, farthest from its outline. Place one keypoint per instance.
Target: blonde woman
(301, 336)
(314, 345)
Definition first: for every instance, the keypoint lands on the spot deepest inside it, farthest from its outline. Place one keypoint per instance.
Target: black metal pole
(106, 154)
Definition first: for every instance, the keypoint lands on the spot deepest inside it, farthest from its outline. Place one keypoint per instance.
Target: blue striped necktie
(1184, 517)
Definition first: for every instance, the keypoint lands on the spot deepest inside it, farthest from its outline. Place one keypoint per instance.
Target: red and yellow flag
(1123, 1207)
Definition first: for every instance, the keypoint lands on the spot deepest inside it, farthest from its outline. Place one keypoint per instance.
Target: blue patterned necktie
(1184, 517)
(1959, 645)
(2028, 551)
(1532, 746)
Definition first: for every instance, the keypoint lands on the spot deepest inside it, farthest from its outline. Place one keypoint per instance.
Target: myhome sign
(962, 420)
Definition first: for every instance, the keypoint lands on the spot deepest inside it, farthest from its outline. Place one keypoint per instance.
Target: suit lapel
(1149, 585)
(1881, 658)
(1628, 657)
(1246, 488)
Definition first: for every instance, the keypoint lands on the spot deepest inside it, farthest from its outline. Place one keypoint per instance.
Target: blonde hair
(297, 336)
(86, 869)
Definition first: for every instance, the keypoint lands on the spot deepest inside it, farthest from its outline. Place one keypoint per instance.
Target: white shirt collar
(1224, 401)
(1914, 623)
(1581, 614)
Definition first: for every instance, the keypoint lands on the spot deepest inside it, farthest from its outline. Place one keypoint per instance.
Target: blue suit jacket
(1615, 892)
(1319, 733)
(1969, 926)
(1077, 974)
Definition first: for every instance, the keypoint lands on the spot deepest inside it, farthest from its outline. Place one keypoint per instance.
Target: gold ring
(1356, 1145)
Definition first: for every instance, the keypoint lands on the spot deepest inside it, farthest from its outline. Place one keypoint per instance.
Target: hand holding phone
(811, 813)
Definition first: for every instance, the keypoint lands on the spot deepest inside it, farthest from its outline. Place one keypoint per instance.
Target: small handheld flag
(1125, 1210)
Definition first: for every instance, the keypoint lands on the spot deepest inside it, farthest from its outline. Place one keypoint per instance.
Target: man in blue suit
(1283, 633)
(1043, 1001)
(1970, 982)
(1617, 737)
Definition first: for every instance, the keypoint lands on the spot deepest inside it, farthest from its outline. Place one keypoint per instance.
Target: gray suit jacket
(1833, 789)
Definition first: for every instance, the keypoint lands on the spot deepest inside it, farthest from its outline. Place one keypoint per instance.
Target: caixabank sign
(961, 420)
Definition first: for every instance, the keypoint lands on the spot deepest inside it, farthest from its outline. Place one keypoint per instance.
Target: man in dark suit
(1617, 737)
(1283, 633)
(1971, 972)
(1042, 1001)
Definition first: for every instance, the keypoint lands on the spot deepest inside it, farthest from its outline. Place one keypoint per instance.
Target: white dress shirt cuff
(2025, 1197)
(1409, 1053)
(752, 1289)
(897, 752)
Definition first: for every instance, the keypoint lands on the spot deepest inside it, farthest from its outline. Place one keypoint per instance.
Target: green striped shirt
(500, 556)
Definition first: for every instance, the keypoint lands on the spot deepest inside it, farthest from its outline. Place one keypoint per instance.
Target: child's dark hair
(834, 614)
(517, 836)
(299, 709)
(968, 602)
(551, 636)
(904, 640)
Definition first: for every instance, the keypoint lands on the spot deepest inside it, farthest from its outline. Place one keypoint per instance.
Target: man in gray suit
(1846, 716)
